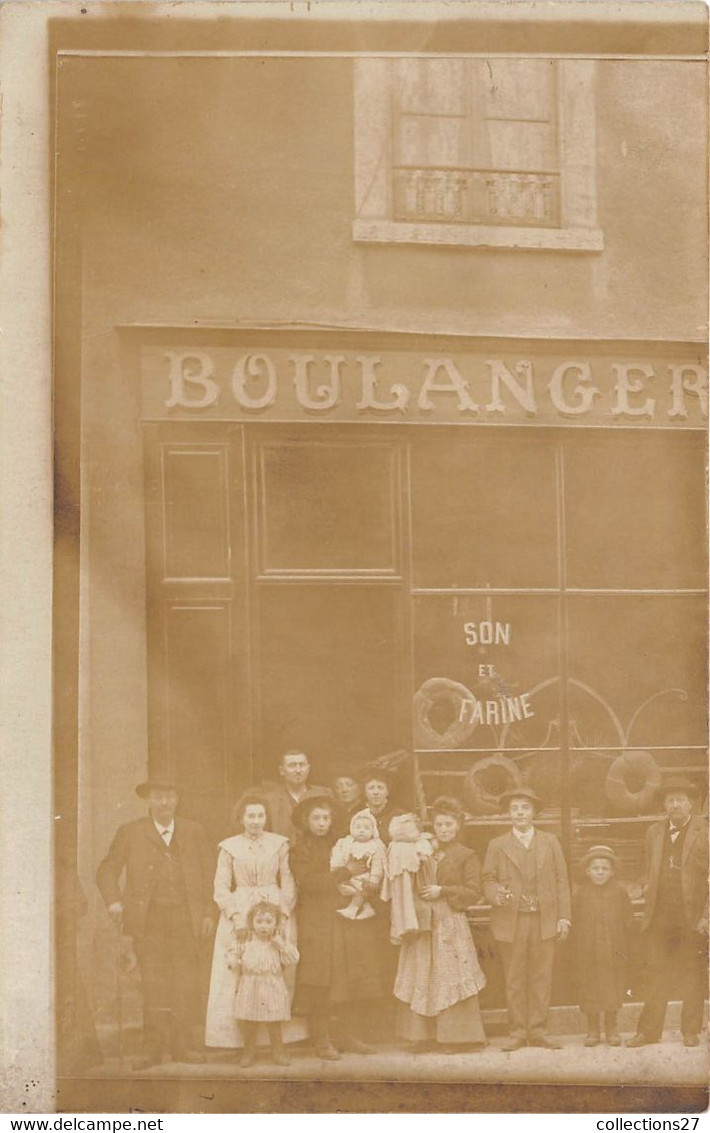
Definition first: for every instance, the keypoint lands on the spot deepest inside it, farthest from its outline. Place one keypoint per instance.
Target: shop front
(486, 554)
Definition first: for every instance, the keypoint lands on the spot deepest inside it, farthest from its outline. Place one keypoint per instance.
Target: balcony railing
(476, 196)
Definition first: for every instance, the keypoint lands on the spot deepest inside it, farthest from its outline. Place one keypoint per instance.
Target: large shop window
(559, 624)
(508, 605)
(477, 152)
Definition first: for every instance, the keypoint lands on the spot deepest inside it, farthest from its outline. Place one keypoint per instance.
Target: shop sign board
(257, 381)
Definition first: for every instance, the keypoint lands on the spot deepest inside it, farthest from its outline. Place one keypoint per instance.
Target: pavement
(668, 1063)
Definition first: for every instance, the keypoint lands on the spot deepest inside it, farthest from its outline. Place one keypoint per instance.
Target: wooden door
(199, 724)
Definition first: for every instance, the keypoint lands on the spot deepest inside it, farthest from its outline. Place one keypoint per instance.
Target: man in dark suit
(525, 880)
(675, 922)
(164, 907)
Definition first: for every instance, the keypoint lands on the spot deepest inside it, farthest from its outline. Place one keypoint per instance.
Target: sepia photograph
(379, 762)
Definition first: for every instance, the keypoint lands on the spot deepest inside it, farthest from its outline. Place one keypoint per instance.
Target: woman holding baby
(438, 973)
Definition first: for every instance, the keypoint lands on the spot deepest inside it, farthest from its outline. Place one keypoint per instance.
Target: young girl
(409, 869)
(258, 957)
(339, 973)
(602, 921)
(362, 844)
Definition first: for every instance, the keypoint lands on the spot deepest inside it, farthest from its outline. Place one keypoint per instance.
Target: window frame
(374, 221)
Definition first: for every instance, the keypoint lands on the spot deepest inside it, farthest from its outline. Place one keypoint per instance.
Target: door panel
(199, 714)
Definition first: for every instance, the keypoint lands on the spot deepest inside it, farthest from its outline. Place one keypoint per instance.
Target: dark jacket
(459, 874)
(316, 904)
(602, 927)
(281, 805)
(693, 870)
(135, 855)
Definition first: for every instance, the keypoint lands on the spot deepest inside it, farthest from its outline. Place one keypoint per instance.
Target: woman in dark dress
(348, 794)
(377, 790)
(339, 972)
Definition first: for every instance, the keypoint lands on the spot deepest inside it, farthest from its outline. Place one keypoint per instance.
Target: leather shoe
(691, 1040)
(591, 1040)
(543, 1042)
(640, 1040)
(614, 1039)
(514, 1043)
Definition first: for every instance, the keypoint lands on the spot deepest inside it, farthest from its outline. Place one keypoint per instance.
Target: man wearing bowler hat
(164, 906)
(525, 881)
(675, 921)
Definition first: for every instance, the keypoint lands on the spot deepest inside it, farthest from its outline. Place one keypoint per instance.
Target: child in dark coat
(602, 921)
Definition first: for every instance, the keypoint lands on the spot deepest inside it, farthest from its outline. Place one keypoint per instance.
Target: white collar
(674, 828)
(164, 829)
(526, 837)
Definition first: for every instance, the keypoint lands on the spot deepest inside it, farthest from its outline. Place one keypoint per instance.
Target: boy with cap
(525, 881)
(603, 919)
(675, 922)
(164, 907)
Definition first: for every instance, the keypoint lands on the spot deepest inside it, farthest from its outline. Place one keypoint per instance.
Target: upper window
(477, 152)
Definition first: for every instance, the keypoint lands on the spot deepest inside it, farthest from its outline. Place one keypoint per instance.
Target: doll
(409, 869)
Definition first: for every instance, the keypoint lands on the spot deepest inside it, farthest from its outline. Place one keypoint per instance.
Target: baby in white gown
(363, 844)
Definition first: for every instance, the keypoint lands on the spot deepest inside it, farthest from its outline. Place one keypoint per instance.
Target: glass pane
(478, 779)
(429, 140)
(430, 86)
(328, 507)
(483, 511)
(328, 674)
(635, 511)
(501, 650)
(518, 89)
(637, 671)
(522, 145)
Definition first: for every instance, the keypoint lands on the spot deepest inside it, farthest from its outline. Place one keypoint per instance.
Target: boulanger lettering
(404, 386)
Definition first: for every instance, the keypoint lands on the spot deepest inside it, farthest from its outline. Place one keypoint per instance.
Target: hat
(312, 798)
(447, 804)
(599, 852)
(345, 768)
(156, 783)
(359, 815)
(520, 793)
(678, 784)
(372, 771)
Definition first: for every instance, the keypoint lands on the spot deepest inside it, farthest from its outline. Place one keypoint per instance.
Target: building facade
(392, 431)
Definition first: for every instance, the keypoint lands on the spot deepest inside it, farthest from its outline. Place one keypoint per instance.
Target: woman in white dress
(251, 867)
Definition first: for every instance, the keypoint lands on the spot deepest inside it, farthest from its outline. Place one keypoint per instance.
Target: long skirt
(438, 981)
